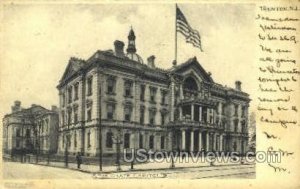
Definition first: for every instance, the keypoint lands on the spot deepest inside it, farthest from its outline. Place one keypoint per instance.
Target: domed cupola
(131, 50)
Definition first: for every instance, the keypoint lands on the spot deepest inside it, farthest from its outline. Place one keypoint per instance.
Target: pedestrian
(79, 160)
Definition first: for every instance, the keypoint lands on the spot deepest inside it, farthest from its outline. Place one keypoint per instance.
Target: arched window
(109, 140)
(190, 87)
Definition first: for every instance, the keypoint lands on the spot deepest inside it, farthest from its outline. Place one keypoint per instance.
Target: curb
(136, 170)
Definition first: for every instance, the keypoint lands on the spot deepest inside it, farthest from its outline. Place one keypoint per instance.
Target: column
(207, 115)
(215, 142)
(200, 113)
(200, 140)
(207, 141)
(192, 141)
(180, 113)
(192, 112)
(183, 140)
(221, 142)
(181, 92)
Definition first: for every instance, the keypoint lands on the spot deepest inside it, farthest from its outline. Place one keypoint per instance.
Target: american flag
(182, 26)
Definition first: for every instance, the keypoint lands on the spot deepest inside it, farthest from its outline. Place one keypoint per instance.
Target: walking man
(79, 160)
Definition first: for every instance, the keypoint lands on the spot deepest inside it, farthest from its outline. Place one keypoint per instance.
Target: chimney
(238, 85)
(54, 108)
(119, 48)
(16, 107)
(150, 60)
(33, 105)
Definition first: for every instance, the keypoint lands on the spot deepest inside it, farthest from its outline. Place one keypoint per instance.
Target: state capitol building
(175, 109)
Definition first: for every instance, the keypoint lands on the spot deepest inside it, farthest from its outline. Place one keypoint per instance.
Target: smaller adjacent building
(30, 130)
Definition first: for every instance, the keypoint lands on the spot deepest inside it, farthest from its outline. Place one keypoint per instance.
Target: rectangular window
(89, 114)
(152, 117)
(63, 99)
(69, 117)
(162, 118)
(162, 142)
(76, 88)
(111, 85)
(243, 111)
(223, 109)
(142, 94)
(152, 94)
(163, 97)
(236, 123)
(70, 94)
(18, 132)
(142, 115)
(151, 142)
(127, 140)
(63, 117)
(89, 86)
(236, 107)
(128, 88)
(109, 140)
(76, 115)
(141, 141)
(110, 111)
(127, 113)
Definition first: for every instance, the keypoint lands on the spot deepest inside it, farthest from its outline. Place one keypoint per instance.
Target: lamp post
(172, 151)
(22, 138)
(118, 141)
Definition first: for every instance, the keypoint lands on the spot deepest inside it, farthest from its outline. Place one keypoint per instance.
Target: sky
(39, 39)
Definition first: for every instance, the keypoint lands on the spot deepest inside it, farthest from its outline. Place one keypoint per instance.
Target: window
(162, 142)
(163, 97)
(111, 85)
(18, 132)
(236, 107)
(127, 140)
(89, 85)
(128, 88)
(152, 94)
(211, 116)
(141, 138)
(89, 139)
(27, 133)
(63, 99)
(76, 86)
(142, 115)
(110, 111)
(109, 140)
(127, 113)
(243, 111)
(63, 117)
(75, 139)
(151, 142)
(142, 94)
(223, 109)
(236, 123)
(89, 114)
(75, 114)
(152, 117)
(243, 123)
(70, 94)
(69, 118)
(163, 115)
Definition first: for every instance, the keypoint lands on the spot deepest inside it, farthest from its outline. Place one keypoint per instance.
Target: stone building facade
(30, 130)
(180, 108)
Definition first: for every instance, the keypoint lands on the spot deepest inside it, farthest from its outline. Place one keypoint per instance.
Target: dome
(135, 57)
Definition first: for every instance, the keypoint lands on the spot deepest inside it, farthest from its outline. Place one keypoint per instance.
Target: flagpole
(175, 33)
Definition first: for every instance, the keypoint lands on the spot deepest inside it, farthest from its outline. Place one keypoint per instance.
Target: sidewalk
(151, 165)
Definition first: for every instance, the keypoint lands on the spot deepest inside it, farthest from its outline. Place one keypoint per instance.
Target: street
(13, 170)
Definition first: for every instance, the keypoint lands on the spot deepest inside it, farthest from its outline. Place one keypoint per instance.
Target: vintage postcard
(140, 94)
